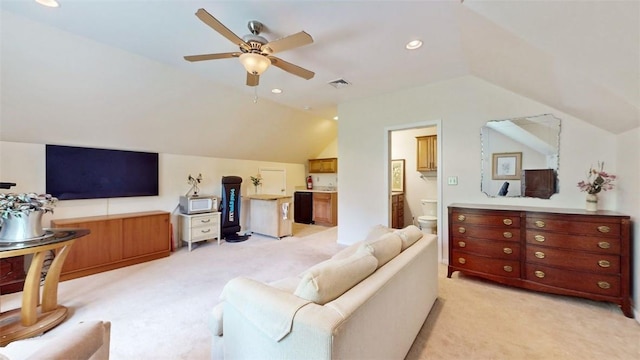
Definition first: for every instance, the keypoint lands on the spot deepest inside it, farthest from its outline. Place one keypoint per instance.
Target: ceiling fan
(255, 51)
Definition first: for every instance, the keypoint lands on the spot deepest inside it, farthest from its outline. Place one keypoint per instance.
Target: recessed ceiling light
(48, 3)
(413, 44)
(276, 91)
(307, 107)
(335, 117)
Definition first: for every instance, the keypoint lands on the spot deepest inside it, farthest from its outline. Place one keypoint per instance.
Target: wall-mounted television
(89, 173)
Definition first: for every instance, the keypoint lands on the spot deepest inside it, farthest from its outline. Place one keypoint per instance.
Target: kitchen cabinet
(271, 215)
(427, 153)
(329, 165)
(559, 251)
(397, 210)
(115, 241)
(325, 208)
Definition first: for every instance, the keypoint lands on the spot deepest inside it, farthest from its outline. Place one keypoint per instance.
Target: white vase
(592, 202)
(23, 227)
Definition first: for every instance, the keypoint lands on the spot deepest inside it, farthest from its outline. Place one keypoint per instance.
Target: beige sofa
(320, 315)
(87, 340)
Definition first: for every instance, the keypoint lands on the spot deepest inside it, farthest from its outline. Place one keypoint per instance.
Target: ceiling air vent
(339, 83)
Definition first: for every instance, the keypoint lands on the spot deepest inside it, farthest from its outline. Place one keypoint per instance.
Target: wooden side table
(31, 319)
(199, 227)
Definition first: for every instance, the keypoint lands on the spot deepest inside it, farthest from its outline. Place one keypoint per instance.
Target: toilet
(429, 219)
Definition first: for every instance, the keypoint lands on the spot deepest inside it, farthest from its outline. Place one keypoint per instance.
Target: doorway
(274, 181)
(417, 183)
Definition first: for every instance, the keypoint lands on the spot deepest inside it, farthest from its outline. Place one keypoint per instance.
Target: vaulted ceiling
(581, 57)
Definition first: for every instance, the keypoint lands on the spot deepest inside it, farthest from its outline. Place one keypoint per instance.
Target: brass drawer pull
(507, 222)
(462, 244)
(507, 268)
(461, 218)
(462, 260)
(539, 274)
(539, 254)
(604, 229)
(604, 285)
(539, 238)
(540, 223)
(604, 245)
(507, 234)
(462, 230)
(604, 263)
(507, 251)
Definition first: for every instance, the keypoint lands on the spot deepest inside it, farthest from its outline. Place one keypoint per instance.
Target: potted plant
(21, 215)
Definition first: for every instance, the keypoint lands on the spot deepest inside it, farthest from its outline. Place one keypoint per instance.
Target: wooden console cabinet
(115, 241)
(325, 208)
(561, 251)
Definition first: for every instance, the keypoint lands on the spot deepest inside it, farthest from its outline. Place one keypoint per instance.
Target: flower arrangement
(597, 180)
(24, 203)
(256, 180)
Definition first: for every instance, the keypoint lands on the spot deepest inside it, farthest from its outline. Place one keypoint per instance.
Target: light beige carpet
(159, 309)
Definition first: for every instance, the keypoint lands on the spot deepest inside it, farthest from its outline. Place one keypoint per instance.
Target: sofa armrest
(269, 309)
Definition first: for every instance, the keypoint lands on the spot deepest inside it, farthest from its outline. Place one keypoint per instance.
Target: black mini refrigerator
(303, 207)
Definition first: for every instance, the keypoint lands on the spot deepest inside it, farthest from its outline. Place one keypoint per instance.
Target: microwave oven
(197, 204)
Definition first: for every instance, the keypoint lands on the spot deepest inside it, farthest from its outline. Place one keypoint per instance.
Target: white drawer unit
(199, 227)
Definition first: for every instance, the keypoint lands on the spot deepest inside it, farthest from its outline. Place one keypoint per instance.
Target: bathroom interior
(419, 184)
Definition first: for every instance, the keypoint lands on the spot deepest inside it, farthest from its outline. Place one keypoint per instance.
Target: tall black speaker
(231, 209)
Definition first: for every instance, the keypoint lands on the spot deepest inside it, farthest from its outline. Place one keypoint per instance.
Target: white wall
(629, 197)
(463, 105)
(24, 164)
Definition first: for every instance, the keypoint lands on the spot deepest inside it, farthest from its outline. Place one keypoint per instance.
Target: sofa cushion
(348, 251)
(376, 232)
(329, 279)
(288, 284)
(383, 248)
(409, 235)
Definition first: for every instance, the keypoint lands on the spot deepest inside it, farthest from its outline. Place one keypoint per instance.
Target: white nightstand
(199, 227)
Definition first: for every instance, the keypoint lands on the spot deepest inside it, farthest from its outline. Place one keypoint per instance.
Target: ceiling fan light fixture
(254, 63)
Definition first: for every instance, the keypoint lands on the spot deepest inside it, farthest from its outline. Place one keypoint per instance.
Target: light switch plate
(452, 180)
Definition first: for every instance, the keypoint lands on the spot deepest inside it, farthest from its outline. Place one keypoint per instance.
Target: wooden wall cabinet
(329, 165)
(115, 241)
(560, 251)
(427, 153)
(325, 209)
(397, 210)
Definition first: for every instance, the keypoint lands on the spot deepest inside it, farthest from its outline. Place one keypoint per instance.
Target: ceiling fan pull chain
(255, 96)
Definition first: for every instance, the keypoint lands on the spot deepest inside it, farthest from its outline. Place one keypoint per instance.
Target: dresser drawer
(575, 242)
(499, 249)
(511, 220)
(567, 226)
(203, 232)
(203, 220)
(567, 259)
(587, 282)
(481, 232)
(500, 267)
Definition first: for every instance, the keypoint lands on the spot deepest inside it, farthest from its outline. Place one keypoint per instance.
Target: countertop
(267, 197)
(318, 190)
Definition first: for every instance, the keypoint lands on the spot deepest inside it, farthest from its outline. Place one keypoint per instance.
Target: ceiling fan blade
(212, 56)
(287, 43)
(216, 25)
(291, 68)
(252, 80)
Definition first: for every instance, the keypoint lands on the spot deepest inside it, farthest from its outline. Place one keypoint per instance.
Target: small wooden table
(35, 316)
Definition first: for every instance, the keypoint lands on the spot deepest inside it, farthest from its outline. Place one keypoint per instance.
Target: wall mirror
(520, 157)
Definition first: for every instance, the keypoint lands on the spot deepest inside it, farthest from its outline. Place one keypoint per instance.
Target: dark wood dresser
(561, 251)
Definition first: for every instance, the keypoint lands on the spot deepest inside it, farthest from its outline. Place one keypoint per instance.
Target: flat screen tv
(88, 173)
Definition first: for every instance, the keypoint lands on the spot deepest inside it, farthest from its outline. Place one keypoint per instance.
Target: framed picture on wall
(397, 175)
(506, 166)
